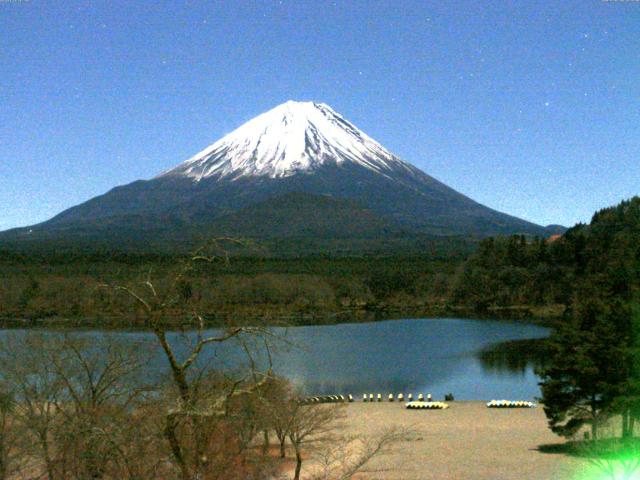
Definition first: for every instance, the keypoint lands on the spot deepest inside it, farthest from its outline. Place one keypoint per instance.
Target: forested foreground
(71, 408)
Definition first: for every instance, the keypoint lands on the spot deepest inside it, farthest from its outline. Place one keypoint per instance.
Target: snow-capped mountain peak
(294, 137)
(299, 171)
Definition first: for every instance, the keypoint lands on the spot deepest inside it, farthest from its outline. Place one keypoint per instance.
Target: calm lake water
(434, 356)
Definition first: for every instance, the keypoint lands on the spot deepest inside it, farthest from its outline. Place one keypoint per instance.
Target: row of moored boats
(419, 404)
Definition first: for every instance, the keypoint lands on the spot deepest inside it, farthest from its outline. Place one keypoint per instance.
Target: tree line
(39, 291)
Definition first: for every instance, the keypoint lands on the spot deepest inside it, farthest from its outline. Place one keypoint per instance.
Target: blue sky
(532, 108)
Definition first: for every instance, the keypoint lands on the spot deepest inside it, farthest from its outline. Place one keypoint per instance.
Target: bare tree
(343, 459)
(311, 425)
(10, 437)
(102, 386)
(277, 396)
(195, 415)
(25, 369)
(77, 402)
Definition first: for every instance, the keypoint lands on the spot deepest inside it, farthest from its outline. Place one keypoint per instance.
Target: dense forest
(309, 289)
(593, 373)
(514, 270)
(513, 276)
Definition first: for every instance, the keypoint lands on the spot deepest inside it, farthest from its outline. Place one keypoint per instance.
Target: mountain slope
(304, 215)
(297, 148)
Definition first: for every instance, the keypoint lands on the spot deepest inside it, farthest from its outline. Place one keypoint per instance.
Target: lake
(436, 356)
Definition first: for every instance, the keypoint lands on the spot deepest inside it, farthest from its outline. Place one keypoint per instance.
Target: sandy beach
(466, 441)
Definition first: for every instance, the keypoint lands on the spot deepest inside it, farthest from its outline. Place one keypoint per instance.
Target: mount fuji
(298, 171)
(295, 137)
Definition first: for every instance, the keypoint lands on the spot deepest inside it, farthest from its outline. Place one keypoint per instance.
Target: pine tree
(585, 380)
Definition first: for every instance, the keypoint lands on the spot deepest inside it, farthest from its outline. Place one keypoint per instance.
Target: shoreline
(281, 319)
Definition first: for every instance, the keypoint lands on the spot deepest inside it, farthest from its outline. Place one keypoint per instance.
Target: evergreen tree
(581, 382)
(594, 372)
(627, 399)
